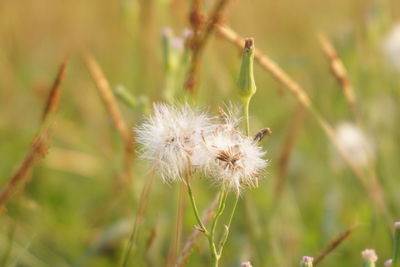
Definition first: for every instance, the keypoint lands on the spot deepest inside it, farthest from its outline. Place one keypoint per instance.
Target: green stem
(246, 104)
(220, 209)
(213, 249)
(228, 226)
(194, 206)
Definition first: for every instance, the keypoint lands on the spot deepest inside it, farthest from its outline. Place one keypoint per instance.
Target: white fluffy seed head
(170, 138)
(179, 141)
(234, 160)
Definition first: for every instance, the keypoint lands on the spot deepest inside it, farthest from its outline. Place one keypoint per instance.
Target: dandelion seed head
(234, 160)
(170, 138)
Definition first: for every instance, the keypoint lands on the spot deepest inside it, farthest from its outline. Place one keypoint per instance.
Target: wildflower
(391, 46)
(369, 255)
(246, 264)
(306, 261)
(170, 138)
(355, 142)
(388, 263)
(234, 159)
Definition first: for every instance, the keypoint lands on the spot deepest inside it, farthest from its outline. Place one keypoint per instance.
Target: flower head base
(369, 255)
(170, 137)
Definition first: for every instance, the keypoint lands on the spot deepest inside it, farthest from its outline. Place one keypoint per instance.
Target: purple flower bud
(369, 255)
(246, 264)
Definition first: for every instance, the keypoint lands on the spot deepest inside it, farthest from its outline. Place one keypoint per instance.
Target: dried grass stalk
(39, 146)
(334, 244)
(339, 71)
(37, 151)
(200, 39)
(55, 93)
(106, 94)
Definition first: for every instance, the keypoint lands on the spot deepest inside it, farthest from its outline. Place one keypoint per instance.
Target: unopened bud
(306, 261)
(246, 83)
(370, 257)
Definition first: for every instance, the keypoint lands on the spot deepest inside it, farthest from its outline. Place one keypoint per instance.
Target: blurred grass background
(71, 213)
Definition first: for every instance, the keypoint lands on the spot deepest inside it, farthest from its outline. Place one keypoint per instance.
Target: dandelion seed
(170, 138)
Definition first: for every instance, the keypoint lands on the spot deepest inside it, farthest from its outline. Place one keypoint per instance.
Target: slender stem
(194, 206)
(246, 104)
(213, 249)
(220, 209)
(227, 227)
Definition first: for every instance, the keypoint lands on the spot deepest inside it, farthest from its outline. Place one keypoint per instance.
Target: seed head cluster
(180, 141)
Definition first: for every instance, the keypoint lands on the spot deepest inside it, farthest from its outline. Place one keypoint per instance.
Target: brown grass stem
(39, 145)
(55, 92)
(106, 94)
(37, 151)
(334, 244)
(200, 39)
(340, 73)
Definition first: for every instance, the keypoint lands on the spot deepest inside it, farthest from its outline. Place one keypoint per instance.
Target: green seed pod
(246, 83)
